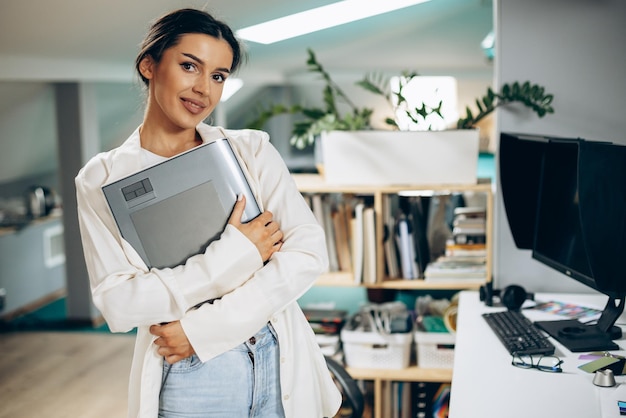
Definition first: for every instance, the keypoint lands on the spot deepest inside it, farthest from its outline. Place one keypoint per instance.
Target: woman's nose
(202, 86)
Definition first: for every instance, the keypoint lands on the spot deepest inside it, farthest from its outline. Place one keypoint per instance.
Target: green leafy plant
(380, 85)
(318, 120)
(532, 96)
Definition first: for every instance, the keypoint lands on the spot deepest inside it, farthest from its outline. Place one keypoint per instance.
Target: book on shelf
(462, 238)
(438, 225)
(470, 212)
(321, 209)
(390, 248)
(461, 250)
(464, 230)
(356, 227)
(441, 401)
(418, 213)
(467, 258)
(475, 223)
(411, 236)
(399, 403)
(469, 225)
(416, 400)
(449, 268)
(334, 214)
(341, 224)
(369, 246)
(406, 248)
(317, 208)
(430, 399)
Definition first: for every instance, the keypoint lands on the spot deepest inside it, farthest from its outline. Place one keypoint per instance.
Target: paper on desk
(570, 310)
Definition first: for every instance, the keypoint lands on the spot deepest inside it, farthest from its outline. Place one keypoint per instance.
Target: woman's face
(187, 84)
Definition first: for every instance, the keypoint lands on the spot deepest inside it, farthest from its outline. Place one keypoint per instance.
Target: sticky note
(598, 364)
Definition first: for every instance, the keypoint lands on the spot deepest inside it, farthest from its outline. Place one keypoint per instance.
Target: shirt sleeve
(128, 294)
(215, 328)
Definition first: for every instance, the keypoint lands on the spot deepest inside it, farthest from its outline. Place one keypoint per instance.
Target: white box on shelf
(400, 157)
(435, 350)
(371, 350)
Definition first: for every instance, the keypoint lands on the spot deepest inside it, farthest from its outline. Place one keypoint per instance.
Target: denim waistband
(261, 338)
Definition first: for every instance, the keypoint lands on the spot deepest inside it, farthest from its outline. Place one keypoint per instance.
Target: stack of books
(466, 253)
(407, 250)
(469, 225)
(327, 325)
(349, 224)
(447, 268)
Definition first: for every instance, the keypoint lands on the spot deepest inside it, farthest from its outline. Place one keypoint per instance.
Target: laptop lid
(175, 209)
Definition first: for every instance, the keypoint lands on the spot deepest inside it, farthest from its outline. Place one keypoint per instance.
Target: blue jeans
(243, 382)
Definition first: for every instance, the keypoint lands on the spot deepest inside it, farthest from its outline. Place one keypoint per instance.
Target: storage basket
(371, 350)
(435, 349)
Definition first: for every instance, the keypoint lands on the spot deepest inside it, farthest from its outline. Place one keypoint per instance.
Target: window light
(320, 18)
(429, 90)
(231, 86)
(488, 45)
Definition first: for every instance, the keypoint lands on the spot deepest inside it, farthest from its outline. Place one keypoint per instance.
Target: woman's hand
(172, 341)
(263, 231)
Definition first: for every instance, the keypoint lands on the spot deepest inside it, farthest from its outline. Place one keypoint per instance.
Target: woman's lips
(193, 106)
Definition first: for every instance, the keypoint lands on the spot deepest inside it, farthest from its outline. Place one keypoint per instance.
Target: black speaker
(512, 296)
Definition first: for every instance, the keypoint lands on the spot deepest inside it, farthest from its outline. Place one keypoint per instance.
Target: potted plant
(354, 153)
(315, 120)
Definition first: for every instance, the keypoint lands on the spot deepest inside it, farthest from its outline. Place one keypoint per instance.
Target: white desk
(486, 385)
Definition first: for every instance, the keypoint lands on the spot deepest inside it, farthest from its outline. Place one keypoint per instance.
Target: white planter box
(400, 157)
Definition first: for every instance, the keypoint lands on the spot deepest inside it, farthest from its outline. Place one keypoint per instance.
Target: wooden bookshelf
(313, 183)
(382, 378)
(409, 374)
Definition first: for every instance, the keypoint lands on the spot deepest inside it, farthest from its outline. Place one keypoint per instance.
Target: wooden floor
(64, 374)
(67, 375)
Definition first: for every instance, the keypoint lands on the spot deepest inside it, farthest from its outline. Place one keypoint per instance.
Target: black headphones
(513, 296)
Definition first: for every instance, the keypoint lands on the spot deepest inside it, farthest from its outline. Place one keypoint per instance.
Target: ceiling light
(231, 86)
(320, 18)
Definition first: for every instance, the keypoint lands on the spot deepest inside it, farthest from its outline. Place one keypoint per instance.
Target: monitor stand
(578, 337)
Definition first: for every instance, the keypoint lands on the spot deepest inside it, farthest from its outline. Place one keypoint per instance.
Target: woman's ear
(146, 67)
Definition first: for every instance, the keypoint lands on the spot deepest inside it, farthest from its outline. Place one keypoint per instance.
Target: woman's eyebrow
(193, 57)
(199, 61)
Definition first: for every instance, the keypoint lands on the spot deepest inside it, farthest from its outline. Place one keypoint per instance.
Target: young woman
(251, 352)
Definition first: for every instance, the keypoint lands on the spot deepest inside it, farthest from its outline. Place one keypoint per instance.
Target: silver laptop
(175, 209)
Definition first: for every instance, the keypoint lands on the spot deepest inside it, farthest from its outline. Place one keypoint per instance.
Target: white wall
(28, 130)
(575, 48)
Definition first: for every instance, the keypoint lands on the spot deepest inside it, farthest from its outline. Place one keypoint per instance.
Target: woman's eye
(220, 78)
(188, 66)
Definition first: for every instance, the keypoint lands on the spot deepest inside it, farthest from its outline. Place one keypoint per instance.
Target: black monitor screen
(569, 236)
(558, 235)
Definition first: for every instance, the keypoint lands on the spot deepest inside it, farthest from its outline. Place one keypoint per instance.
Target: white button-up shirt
(130, 295)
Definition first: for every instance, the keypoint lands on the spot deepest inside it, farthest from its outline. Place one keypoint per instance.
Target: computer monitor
(579, 222)
(519, 161)
(558, 239)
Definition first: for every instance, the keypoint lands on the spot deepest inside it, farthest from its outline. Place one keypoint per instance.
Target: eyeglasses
(550, 364)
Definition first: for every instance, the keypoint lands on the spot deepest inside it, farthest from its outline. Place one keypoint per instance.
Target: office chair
(353, 398)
